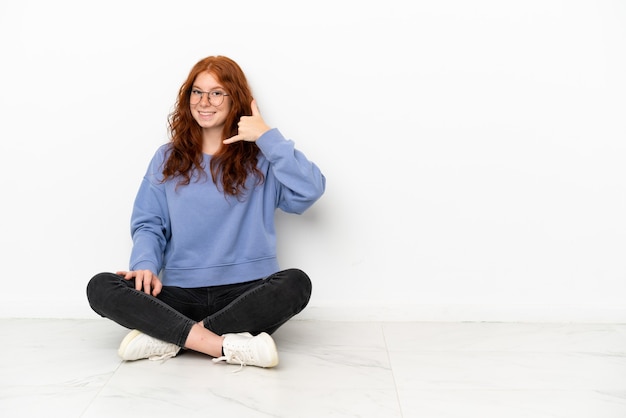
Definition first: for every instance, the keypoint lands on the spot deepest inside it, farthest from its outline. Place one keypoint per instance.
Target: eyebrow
(212, 89)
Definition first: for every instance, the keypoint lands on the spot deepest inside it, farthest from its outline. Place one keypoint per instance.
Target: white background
(474, 150)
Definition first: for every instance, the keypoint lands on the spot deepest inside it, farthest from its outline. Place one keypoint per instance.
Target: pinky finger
(233, 139)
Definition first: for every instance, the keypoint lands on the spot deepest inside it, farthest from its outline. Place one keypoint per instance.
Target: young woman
(203, 269)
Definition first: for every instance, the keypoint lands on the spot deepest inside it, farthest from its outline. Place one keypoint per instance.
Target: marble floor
(69, 368)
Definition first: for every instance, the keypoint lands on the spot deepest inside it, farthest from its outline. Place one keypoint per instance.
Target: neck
(211, 141)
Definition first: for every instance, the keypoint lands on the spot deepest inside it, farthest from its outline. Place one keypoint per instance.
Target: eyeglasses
(215, 97)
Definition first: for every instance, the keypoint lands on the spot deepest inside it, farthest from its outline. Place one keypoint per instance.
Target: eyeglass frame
(196, 91)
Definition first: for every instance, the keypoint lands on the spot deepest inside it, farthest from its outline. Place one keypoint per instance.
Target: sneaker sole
(131, 336)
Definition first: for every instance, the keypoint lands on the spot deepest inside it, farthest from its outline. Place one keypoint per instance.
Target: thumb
(254, 107)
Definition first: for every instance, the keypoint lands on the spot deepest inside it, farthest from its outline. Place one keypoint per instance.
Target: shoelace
(157, 345)
(163, 357)
(233, 357)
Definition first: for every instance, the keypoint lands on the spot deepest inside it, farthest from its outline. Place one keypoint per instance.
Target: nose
(205, 96)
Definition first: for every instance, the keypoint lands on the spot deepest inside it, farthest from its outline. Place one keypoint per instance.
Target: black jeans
(258, 306)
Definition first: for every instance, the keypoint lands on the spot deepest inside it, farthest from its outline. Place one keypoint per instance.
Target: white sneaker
(137, 345)
(246, 350)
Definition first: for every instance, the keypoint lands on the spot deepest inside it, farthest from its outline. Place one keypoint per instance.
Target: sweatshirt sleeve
(150, 226)
(300, 182)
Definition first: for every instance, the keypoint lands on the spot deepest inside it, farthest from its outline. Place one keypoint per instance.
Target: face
(207, 89)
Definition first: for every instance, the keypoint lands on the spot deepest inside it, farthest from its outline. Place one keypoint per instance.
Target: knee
(301, 285)
(99, 287)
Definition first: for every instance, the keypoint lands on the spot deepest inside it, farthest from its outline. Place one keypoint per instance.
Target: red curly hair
(232, 164)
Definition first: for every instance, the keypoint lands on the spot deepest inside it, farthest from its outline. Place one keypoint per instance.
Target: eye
(196, 92)
(217, 93)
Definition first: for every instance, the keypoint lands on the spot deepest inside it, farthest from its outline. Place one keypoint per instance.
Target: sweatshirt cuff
(268, 142)
(145, 265)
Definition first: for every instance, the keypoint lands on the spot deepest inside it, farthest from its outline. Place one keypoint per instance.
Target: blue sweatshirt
(194, 235)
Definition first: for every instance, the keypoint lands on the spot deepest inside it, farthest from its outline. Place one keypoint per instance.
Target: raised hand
(250, 127)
